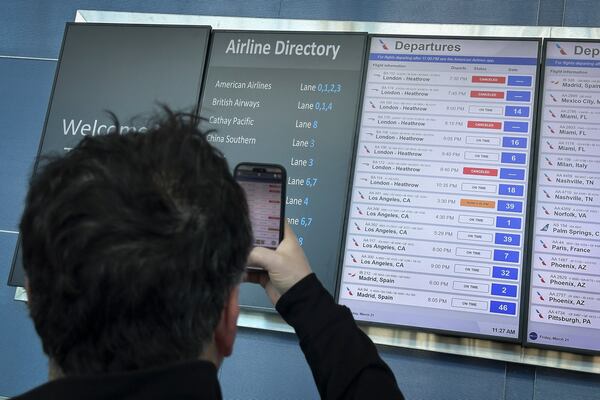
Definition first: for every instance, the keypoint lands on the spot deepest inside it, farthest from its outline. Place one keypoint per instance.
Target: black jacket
(343, 360)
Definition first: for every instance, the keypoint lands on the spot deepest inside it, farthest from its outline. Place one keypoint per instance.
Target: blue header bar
(559, 62)
(453, 59)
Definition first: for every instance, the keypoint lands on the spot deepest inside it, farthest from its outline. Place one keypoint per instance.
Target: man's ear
(227, 326)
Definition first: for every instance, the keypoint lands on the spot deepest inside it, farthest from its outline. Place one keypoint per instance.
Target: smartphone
(264, 185)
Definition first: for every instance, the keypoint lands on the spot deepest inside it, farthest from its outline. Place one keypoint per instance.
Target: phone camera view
(264, 192)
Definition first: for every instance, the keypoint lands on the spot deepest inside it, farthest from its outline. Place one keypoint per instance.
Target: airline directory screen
(435, 233)
(564, 307)
(291, 98)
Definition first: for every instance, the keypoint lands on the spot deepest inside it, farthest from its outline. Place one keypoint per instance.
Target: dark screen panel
(127, 69)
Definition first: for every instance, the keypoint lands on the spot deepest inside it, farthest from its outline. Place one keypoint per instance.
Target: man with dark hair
(134, 247)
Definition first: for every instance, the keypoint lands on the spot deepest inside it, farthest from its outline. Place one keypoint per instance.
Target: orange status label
(477, 203)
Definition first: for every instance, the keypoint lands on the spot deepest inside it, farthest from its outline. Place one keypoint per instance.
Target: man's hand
(285, 266)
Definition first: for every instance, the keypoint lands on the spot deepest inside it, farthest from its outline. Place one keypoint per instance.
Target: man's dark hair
(131, 245)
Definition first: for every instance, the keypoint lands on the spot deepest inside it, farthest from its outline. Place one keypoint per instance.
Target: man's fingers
(251, 277)
(288, 232)
(290, 241)
(261, 257)
(259, 277)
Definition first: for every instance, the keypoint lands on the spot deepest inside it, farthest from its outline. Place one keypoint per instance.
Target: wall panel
(35, 28)
(26, 88)
(506, 12)
(264, 364)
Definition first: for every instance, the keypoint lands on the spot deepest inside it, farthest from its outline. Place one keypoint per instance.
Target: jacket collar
(190, 380)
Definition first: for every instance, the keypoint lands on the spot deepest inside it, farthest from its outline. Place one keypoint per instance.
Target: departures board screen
(291, 98)
(436, 226)
(564, 300)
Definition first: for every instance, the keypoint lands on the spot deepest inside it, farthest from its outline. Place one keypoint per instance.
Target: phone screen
(265, 193)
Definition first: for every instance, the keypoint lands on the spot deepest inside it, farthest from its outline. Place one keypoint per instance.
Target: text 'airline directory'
(564, 307)
(435, 233)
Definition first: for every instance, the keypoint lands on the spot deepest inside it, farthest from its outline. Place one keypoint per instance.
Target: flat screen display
(436, 226)
(291, 98)
(265, 191)
(126, 69)
(564, 301)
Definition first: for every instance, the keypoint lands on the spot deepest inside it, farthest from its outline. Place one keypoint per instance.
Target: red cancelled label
(487, 94)
(480, 171)
(484, 124)
(488, 79)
